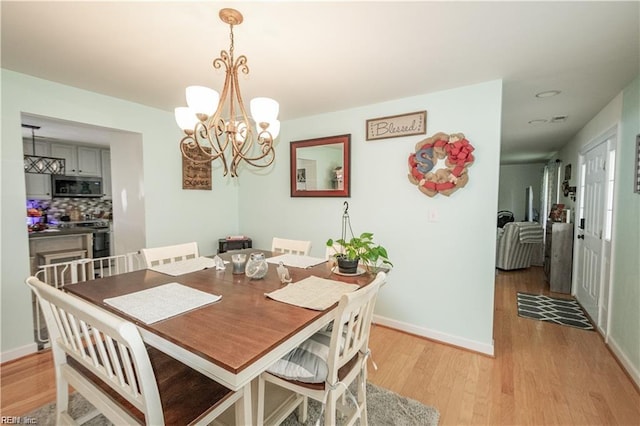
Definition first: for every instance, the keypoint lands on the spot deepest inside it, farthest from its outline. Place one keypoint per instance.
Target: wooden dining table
(235, 339)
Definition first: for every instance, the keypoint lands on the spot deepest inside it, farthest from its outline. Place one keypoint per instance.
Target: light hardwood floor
(542, 374)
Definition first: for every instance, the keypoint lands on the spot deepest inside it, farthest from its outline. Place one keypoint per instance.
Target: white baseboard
(484, 348)
(624, 360)
(12, 354)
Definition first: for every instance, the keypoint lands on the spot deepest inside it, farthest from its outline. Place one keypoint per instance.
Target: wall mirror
(321, 167)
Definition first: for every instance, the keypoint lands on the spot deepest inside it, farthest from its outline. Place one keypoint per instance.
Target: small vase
(257, 266)
(348, 266)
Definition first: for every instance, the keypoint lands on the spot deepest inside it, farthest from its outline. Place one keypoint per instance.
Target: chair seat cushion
(308, 362)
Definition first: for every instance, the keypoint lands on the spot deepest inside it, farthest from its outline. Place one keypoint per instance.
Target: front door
(590, 237)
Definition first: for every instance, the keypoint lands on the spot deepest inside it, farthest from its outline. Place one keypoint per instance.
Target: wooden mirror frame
(345, 141)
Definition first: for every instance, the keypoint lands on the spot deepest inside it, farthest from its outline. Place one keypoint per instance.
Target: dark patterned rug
(383, 408)
(558, 311)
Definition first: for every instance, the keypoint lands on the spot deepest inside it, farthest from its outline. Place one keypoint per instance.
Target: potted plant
(358, 249)
(350, 252)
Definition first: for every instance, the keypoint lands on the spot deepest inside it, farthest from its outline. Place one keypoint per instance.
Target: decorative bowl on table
(257, 266)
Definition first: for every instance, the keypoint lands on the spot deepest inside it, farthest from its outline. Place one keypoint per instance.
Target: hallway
(542, 373)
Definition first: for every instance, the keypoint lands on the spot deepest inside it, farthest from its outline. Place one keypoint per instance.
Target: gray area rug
(383, 408)
(550, 309)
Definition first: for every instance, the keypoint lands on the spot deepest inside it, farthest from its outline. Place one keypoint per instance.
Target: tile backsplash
(57, 207)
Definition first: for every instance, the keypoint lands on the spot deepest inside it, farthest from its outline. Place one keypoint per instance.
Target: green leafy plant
(362, 247)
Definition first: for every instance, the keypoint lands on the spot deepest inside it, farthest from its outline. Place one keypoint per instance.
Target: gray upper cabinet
(38, 186)
(105, 156)
(80, 160)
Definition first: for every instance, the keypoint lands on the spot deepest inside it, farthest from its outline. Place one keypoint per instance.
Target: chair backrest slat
(88, 343)
(169, 254)
(75, 333)
(66, 329)
(283, 245)
(103, 363)
(128, 369)
(114, 360)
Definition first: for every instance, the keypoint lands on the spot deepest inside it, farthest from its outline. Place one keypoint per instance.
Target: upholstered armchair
(516, 243)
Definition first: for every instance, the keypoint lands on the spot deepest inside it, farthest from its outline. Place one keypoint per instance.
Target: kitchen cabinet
(38, 186)
(80, 160)
(105, 158)
(89, 162)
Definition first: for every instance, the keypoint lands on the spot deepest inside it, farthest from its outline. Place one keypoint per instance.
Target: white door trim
(602, 137)
(610, 138)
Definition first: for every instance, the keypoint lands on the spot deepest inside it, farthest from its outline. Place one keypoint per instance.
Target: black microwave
(76, 186)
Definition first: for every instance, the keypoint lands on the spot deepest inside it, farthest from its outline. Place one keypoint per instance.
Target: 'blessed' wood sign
(414, 123)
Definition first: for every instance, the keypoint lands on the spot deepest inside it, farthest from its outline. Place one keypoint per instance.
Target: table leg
(244, 415)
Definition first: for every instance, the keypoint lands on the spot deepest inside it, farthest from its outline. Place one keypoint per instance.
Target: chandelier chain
(231, 45)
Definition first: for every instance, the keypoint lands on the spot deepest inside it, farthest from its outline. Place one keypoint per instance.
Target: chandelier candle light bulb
(186, 119)
(202, 101)
(208, 133)
(264, 110)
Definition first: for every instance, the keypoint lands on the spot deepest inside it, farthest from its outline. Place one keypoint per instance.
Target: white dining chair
(331, 251)
(104, 358)
(169, 254)
(326, 364)
(74, 271)
(283, 245)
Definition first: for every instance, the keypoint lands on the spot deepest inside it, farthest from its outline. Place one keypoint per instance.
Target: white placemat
(184, 266)
(313, 292)
(162, 302)
(295, 260)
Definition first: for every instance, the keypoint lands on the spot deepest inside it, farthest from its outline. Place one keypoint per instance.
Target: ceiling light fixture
(212, 122)
(38, 164)
(547, 94)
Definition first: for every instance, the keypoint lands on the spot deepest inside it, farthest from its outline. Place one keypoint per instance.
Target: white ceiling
(315, 57)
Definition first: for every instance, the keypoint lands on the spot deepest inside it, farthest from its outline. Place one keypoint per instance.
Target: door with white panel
(590, 236)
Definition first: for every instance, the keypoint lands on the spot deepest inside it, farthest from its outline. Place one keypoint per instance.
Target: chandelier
(213, 122)
(38, 164)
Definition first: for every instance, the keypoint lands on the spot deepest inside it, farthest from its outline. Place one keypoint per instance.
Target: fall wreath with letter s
(457, 152)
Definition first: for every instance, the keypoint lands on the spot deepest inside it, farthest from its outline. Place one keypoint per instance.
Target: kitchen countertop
(53, 232)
